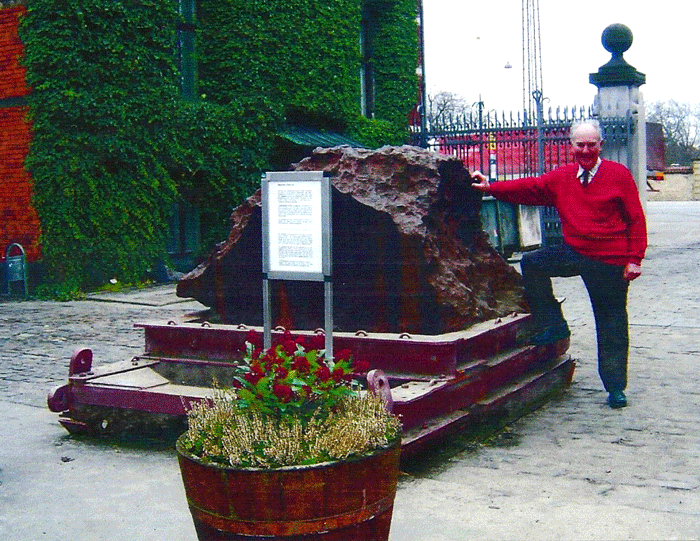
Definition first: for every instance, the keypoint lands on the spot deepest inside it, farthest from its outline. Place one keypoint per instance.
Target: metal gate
(504, 147)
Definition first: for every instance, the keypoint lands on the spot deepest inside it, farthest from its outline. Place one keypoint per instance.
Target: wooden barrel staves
(336, 501)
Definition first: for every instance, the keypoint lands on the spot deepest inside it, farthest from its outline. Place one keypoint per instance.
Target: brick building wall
(18, 219)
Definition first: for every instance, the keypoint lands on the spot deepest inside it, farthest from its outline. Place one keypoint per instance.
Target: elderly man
(604, 233)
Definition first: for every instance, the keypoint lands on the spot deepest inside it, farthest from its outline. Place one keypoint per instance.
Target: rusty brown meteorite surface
(409, 253)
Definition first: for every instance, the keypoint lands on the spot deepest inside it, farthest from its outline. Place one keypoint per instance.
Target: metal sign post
(296, 238)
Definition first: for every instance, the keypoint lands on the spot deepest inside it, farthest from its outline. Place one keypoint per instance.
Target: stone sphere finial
(617, 38)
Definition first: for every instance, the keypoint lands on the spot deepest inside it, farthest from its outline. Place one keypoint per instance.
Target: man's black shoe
(617, 399)
(550, 335)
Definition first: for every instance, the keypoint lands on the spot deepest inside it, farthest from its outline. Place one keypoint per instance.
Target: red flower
(283, 392)
(254, 338)
(269, 379)
(338, 374)
(281, 372)
(253, 377)
(289, 347)
(269, 359)
(301, 365)
(323, 373)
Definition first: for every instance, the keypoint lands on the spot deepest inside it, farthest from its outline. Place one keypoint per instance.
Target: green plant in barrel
(290, 405)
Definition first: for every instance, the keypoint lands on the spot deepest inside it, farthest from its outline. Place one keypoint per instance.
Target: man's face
(586, 146)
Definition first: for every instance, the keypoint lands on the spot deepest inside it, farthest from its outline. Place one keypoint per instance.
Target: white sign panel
(295, 229)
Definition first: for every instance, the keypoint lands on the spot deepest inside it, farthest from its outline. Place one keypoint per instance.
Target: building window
(367, 65)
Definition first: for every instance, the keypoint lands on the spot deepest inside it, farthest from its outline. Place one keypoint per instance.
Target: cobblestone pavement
(40, 337)
(574, 469)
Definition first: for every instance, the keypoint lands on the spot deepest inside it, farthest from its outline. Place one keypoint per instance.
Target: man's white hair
(592, 122)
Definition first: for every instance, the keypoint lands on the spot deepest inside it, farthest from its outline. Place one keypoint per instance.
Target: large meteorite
(409, 253)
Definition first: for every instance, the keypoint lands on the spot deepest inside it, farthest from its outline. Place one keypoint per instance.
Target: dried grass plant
(221, 432)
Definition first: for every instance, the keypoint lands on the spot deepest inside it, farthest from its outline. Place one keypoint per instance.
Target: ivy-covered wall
(395, 57)
(300, 61)
(116, 144)
(104, 89)
(284, 55)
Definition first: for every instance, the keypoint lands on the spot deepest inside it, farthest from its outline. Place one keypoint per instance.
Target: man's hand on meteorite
(483, 182)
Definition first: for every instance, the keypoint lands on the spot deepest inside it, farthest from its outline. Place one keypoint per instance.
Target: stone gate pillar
(619, 105)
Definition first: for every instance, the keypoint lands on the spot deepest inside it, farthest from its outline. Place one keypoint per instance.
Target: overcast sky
(468, 43)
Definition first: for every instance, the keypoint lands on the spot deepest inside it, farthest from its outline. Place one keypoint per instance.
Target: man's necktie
(585, 177)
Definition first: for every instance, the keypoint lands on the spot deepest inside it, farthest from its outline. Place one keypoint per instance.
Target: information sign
(296, 225)
(296, 238)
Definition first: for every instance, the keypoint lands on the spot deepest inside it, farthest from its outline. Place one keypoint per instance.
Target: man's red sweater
(603, 220)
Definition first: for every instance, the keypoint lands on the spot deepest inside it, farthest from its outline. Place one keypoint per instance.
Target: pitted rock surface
(409, 253)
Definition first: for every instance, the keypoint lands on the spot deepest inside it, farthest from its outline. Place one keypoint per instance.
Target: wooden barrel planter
(335, 501)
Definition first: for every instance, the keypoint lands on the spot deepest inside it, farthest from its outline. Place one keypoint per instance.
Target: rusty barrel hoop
(347, 500)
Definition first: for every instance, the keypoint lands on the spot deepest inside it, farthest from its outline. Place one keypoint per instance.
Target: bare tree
(681, 124)
(445, 107)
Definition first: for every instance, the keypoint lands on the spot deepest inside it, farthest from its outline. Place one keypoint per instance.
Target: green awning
(309, 137)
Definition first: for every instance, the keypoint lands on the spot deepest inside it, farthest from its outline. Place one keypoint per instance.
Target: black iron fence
(518, 145)
(506, 146)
